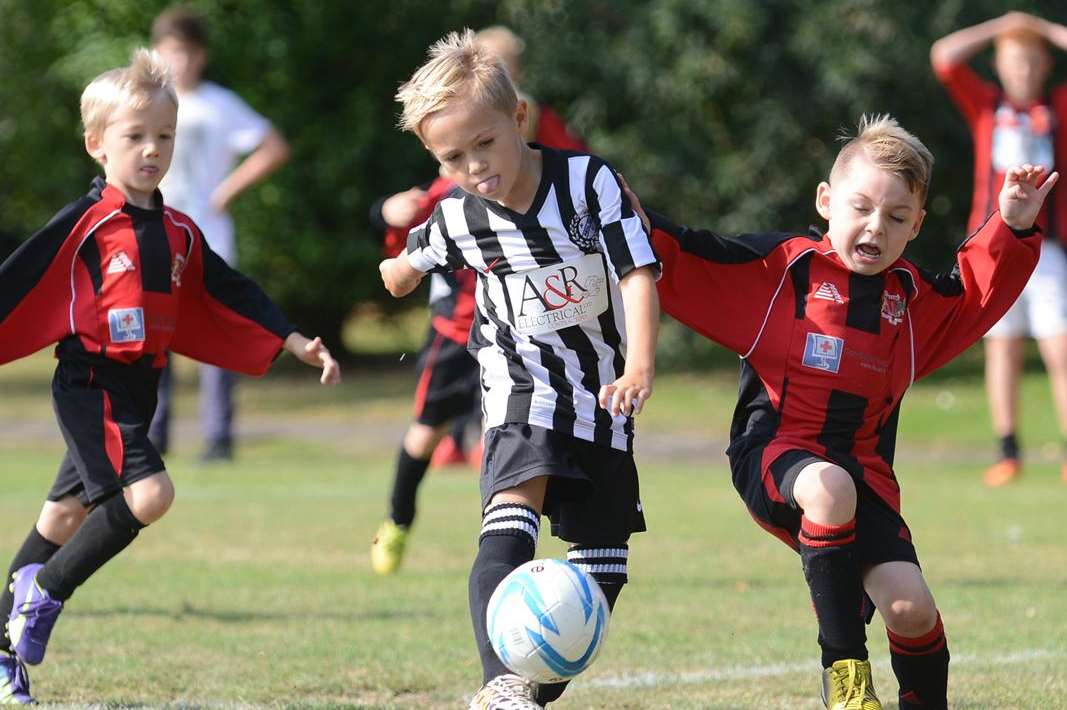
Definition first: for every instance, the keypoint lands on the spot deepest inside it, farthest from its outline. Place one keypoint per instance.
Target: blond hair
(1021, 35)
(458, 67)
(889, 147)
(136, 85)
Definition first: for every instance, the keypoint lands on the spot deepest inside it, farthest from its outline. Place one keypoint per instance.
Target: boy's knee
(911, 617)
(59, 520)
(421, 439)
(150, 498)
(826, 491)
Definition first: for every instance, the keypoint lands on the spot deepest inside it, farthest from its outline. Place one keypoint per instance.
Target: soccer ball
(547, 620)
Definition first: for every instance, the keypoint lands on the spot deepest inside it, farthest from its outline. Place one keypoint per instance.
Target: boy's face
(479, 148)
(136, 147)
(186, 60)
(1022, 66)
(872, 215)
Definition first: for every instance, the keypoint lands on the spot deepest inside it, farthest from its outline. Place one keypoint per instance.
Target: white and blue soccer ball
(547, 620)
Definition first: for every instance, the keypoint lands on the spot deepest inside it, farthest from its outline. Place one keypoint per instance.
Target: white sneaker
(506, 692)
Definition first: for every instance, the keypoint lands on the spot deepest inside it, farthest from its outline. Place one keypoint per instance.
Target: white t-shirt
(215, 128)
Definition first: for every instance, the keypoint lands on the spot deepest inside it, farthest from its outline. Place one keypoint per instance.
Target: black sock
(549, 692)
(1009, 446)
(921, 667)
(409, 473)
(827, 553)
(105, 533)
(508, 539)
(36, 549)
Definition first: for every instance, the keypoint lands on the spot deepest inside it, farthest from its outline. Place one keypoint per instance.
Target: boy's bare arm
(399, 276)
(314, 353)
(271, 154)
(1055, 33)
(961, 45)
(641, 305)
(1023, 194)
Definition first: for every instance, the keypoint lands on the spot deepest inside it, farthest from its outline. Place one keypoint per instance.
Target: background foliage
(721, 113)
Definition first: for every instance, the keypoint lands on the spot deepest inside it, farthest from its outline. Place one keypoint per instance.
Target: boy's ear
(94, 146)
(822, 200)
(522, 115)
(918, 225)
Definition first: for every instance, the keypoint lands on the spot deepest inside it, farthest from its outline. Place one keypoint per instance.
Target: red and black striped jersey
(107, 279)
(827, 354)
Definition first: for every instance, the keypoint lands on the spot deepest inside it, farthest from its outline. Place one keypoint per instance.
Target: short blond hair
(135, 86)
(889, 147)
(458, 67)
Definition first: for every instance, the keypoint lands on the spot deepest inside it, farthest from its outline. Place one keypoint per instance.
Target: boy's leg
(1054, 354)
(826, 495)
(1003, 366)
(607, 565)
(387, 550)
(216, 412)
(508, 539)
(916, 637)
(59, 520)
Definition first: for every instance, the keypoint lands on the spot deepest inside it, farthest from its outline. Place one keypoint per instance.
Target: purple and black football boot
(33, 615)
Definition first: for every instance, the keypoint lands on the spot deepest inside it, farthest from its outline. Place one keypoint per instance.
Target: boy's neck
(137, 199)
(522, 195)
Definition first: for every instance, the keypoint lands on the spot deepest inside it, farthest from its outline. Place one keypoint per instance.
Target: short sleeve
(245, 129)
(429, 246)
(622, 235)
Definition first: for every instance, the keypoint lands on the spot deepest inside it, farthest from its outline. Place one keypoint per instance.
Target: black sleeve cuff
(376, 219)
(1023, 233)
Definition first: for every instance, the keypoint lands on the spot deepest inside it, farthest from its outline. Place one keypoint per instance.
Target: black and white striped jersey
(549, 328)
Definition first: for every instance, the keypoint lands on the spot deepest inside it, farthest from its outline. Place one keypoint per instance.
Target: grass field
(256, 589)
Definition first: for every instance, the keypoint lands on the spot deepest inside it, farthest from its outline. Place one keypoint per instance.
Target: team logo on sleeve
(823, 352)
(558, 296)
(584, 232)
(126, 325)
(893, 307)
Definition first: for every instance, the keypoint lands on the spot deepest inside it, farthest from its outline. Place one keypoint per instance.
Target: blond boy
(116, 279)
(832, 329)
(564, 334)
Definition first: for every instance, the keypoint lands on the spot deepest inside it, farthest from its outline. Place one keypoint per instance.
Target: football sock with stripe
(828, 555)
(409, 474)
(607, 565)
(36, 549)
(921, 667)
(508, 539)
(106, 532)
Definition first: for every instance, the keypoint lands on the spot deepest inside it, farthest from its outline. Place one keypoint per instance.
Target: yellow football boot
(387, 550)
(847, 685)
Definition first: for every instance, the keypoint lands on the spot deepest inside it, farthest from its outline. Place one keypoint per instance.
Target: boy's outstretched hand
(1023, 194)
(314, 353)
(626, 395)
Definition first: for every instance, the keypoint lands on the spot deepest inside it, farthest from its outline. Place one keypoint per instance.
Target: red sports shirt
(107, 279)
(827, 354)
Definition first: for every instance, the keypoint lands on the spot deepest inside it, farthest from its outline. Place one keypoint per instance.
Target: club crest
(584, 232)
(893, 307)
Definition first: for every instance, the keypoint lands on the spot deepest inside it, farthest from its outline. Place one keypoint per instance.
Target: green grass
(256, 588)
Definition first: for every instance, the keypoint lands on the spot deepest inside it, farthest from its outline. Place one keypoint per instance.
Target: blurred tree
(721, 113)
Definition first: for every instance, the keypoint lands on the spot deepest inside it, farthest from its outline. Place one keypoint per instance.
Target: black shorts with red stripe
(448, 384)
(767, 489)
(103, 409)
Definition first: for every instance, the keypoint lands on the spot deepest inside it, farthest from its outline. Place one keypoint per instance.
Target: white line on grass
(654, 679)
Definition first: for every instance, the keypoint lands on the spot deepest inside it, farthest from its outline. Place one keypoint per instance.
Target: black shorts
(448, 381)
(767, 489)
(592, 496)
(103, 411)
